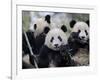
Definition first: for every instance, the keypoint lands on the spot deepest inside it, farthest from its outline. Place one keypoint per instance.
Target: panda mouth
(82, 40)
(56, 47)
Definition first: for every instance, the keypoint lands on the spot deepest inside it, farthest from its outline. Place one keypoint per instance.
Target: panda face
(82, 30)
(55, 38)
(41, 25)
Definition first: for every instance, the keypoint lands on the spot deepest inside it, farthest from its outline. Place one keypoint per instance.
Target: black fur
(75, 44)
(72, 23)
(47, 55)
(47, 18)
(88, 22)
(64, 28)
(31, 39)
(35, 26)
(39, 41)
(35, 44)
(46, 30)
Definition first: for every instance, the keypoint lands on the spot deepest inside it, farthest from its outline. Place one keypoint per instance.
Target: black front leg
(43, 59)
(66, 56)
(72, 42)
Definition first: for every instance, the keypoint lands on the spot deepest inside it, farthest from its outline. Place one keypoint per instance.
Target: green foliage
(25, 20)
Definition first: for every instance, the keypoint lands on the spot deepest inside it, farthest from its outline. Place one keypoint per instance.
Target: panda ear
(46, 30)
(72, 23)
(47, 18)
(88, 22)
(64, 28)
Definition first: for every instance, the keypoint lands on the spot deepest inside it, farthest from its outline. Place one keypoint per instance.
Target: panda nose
(56, 45)
(82, 37)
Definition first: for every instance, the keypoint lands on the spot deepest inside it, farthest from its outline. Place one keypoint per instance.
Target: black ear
(35, 26)
(72, 23)
(46, 30)
(88, 22)
(47, 18)
(64, 28)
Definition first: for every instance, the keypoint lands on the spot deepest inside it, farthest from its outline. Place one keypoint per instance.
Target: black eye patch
(46, 29)
(59, 38)
(51, 39)
(86, 32)
(79, 31)
(35, 26)
(64, 28)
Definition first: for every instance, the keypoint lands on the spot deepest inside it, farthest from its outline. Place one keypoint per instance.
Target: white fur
(43, 14)
(59, 19)
(38, 18)
(33, 18)
(82, 26)
(26, 59)
(41, 24)
(55, 33)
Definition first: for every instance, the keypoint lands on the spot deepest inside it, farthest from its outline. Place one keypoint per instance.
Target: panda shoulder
(44, 49)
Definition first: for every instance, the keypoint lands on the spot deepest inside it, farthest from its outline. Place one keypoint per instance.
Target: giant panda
(36, 37)
(79, 41)
(54, 51)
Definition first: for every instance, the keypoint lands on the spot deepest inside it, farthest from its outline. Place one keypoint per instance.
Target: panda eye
(51, 39)
(35, 26)
(86, 32)
(79, 31)
(59, 38)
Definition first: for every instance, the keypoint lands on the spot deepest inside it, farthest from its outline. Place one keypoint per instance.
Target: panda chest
(54, 58)
(39, 40)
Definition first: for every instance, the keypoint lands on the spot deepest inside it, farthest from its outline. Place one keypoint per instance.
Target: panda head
(81, 29)
(42, 25)
(55, 38)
